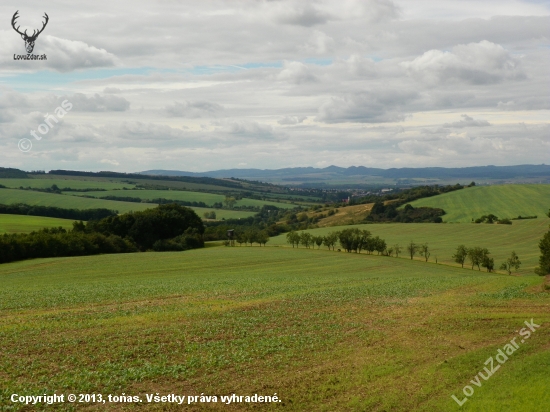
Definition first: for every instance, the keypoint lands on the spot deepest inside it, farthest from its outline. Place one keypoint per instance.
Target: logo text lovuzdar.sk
(29, 39)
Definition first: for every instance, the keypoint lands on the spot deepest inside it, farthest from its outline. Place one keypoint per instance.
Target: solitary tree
(512, 262)
(425, 251)
(543, 268)
(230, 201)
(412, 248)
(461, 254)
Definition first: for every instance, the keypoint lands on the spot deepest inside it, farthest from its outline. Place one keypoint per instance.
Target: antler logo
(29, 40)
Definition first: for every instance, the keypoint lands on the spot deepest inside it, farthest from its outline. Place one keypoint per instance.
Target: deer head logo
(29, 40)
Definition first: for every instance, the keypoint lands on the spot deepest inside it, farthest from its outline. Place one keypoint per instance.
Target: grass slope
(10, 196)
(62, 183)
(325, 331)
(27, 224)
(208, 198)
(506, 201)
(522, 237)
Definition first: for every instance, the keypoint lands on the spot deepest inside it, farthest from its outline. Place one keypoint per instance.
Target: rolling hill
(504, 201)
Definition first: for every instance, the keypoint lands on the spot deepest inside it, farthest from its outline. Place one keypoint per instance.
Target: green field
(506, 201)
(207, 198)
(326, 331)
(223, 213)
(522, 237)
(29, 197)
(27, 224)
(11, 196)
(72, 183)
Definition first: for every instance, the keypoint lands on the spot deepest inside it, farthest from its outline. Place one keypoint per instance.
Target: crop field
(522, 237)
(325, 331)
(36, 183)
(27, 224)
(29, 197)
(506, 201)
(207, 198)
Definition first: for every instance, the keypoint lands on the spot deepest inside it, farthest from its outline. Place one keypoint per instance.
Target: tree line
(479, 257)
(50, 211)
(165, 228)
(350, 240)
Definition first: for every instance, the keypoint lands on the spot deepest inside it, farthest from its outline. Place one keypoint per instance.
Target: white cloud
(291, 120)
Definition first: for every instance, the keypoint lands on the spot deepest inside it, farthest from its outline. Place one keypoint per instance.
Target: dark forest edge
(167, 227)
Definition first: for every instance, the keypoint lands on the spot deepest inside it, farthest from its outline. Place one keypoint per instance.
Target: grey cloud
(250, 130)
(193, 109)
(97, 103)
(467, 121)
(474, 63)
(367, 107)
(306, 16)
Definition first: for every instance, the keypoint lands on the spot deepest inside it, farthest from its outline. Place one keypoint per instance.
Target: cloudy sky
(197, 86)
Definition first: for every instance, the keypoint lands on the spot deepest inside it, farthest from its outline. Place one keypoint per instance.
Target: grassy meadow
(27, 224)
(505, 201)
(326, 331)
(522, 237)
(207, 198)
(29, 197)
(68, 182)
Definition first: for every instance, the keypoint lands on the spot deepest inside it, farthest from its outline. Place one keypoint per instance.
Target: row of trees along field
(357, 240)
(167, 227)
(350, 240)
(479, 257)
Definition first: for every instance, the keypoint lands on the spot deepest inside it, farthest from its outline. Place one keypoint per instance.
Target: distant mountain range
(332, 172)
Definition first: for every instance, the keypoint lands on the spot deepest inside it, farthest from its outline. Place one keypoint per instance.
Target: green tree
(476, 255)
(306, 239)
(543, 268)
(379, 245)
(293, 238)
(330, 240)
(262, 237)
(488, 263)
(348, 239)
(424, 250)
(229, 201)
(512, 262)
(318, 240)
(397, 249)
(240, 238)
(461, 254)
(412, 248)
